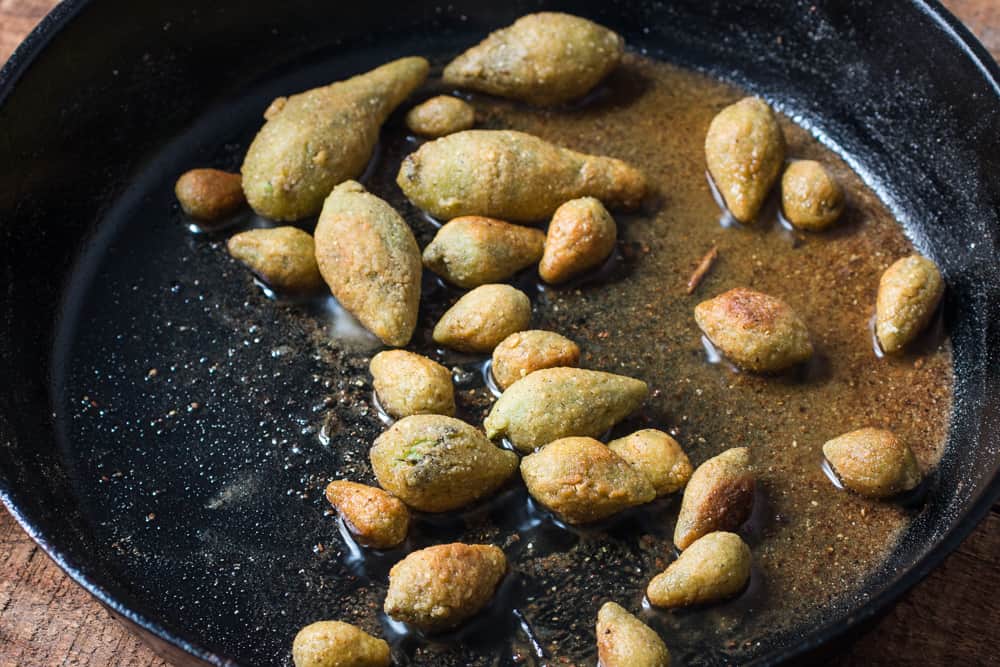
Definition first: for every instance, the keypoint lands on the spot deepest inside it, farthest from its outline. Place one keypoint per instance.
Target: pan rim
(952, 29)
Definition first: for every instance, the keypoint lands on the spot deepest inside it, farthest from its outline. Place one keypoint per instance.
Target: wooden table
(46, 619)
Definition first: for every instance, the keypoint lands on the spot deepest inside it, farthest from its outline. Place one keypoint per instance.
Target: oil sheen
(813, 543)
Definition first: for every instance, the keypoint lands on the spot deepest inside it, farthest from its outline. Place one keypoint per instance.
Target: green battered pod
(371, 262)
(545, 59)
(435, 463)
(555, 403)
(745, 150)
(713, 568)
(285, 257)
(512, 176)
(335, 644)
(473, 250)
(625, 641)
(314, 140)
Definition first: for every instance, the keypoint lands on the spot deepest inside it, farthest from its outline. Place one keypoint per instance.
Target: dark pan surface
(189, 500)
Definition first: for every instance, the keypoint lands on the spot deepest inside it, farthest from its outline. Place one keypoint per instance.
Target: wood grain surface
(47, 620)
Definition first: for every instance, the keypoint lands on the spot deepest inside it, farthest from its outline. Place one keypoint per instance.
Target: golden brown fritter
(719, 496)
(873, 462)
(582, 480)
(284, 257)
(657, 456)
(375, 518)
(439, 587)
(525, 352)
(209, 195)
(756, 331)
(581, 236)
(337, 644)
(407, 384)
(481, 319)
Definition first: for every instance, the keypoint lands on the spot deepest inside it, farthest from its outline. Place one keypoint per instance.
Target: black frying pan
(108, 100)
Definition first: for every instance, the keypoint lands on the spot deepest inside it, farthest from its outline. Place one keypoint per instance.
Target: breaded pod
(511, 176)
(314, 140)
(435, 463)
(745, 151)
(811, 198)
(337, 644)
(714, 568)
(408, 383)
(582, 480)
(719, 496)
(755, 331)
(544, 59)
(371, 262)
(556, 403)
(374, 517)
(482, 318)
(525, 352)
(439, 587)
(439, 116)
(657, 456)
(472, 250)
(284, 257)
(908, 294)
(581, 236)
(873, 462)
(209, 195)
(625, 641)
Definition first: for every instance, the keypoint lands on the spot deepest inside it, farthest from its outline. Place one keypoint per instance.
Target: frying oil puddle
(627, 319)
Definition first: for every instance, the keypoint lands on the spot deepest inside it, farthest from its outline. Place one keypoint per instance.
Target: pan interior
(205, 415)
(190, 408)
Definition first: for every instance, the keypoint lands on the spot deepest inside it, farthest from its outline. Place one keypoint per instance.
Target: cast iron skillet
(187, 521)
